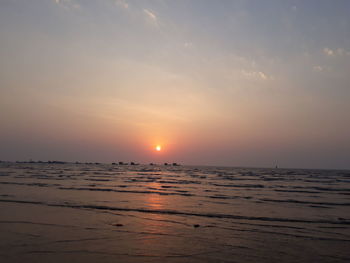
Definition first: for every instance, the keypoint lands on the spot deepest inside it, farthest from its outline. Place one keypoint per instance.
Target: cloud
(122, 3)
(188, 44)
(342, 52)
(256, 75)
(335, 52)
(262, 75)
(150, 14)
(317, 68)
(328, 51)
(68, 4)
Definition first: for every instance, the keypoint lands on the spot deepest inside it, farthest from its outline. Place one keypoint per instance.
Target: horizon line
(134, 163)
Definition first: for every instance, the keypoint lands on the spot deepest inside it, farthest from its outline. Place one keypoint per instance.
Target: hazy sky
(242, 83)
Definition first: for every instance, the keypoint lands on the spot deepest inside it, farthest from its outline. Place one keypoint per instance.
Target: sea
(67, 212)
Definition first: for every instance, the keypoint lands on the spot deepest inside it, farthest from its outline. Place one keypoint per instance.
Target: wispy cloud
(335, 52)
(188, 44)
(318, 68)
(342, 52)
(256, 75)
(150, 15)
(328, 51)
(68, 4)
(122, 3)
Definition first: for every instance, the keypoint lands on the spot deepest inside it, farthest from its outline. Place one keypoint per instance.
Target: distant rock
(56, 162)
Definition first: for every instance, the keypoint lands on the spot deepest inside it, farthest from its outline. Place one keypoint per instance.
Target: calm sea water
(110, 213)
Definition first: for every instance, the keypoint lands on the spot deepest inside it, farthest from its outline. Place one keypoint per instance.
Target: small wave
(179, 182)
(97, 180)
(297, 191)
(304, 202)
(123, 191)
(240, 185)
(30, 184)
(182, 213)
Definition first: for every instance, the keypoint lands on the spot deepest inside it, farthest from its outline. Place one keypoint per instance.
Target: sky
(232, 83)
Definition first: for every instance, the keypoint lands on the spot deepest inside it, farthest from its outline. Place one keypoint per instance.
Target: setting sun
(158, 148)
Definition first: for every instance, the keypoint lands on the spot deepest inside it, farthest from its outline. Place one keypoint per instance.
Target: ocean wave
(340, 221)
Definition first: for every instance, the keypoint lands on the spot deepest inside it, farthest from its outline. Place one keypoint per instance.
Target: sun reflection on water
(154, 201)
